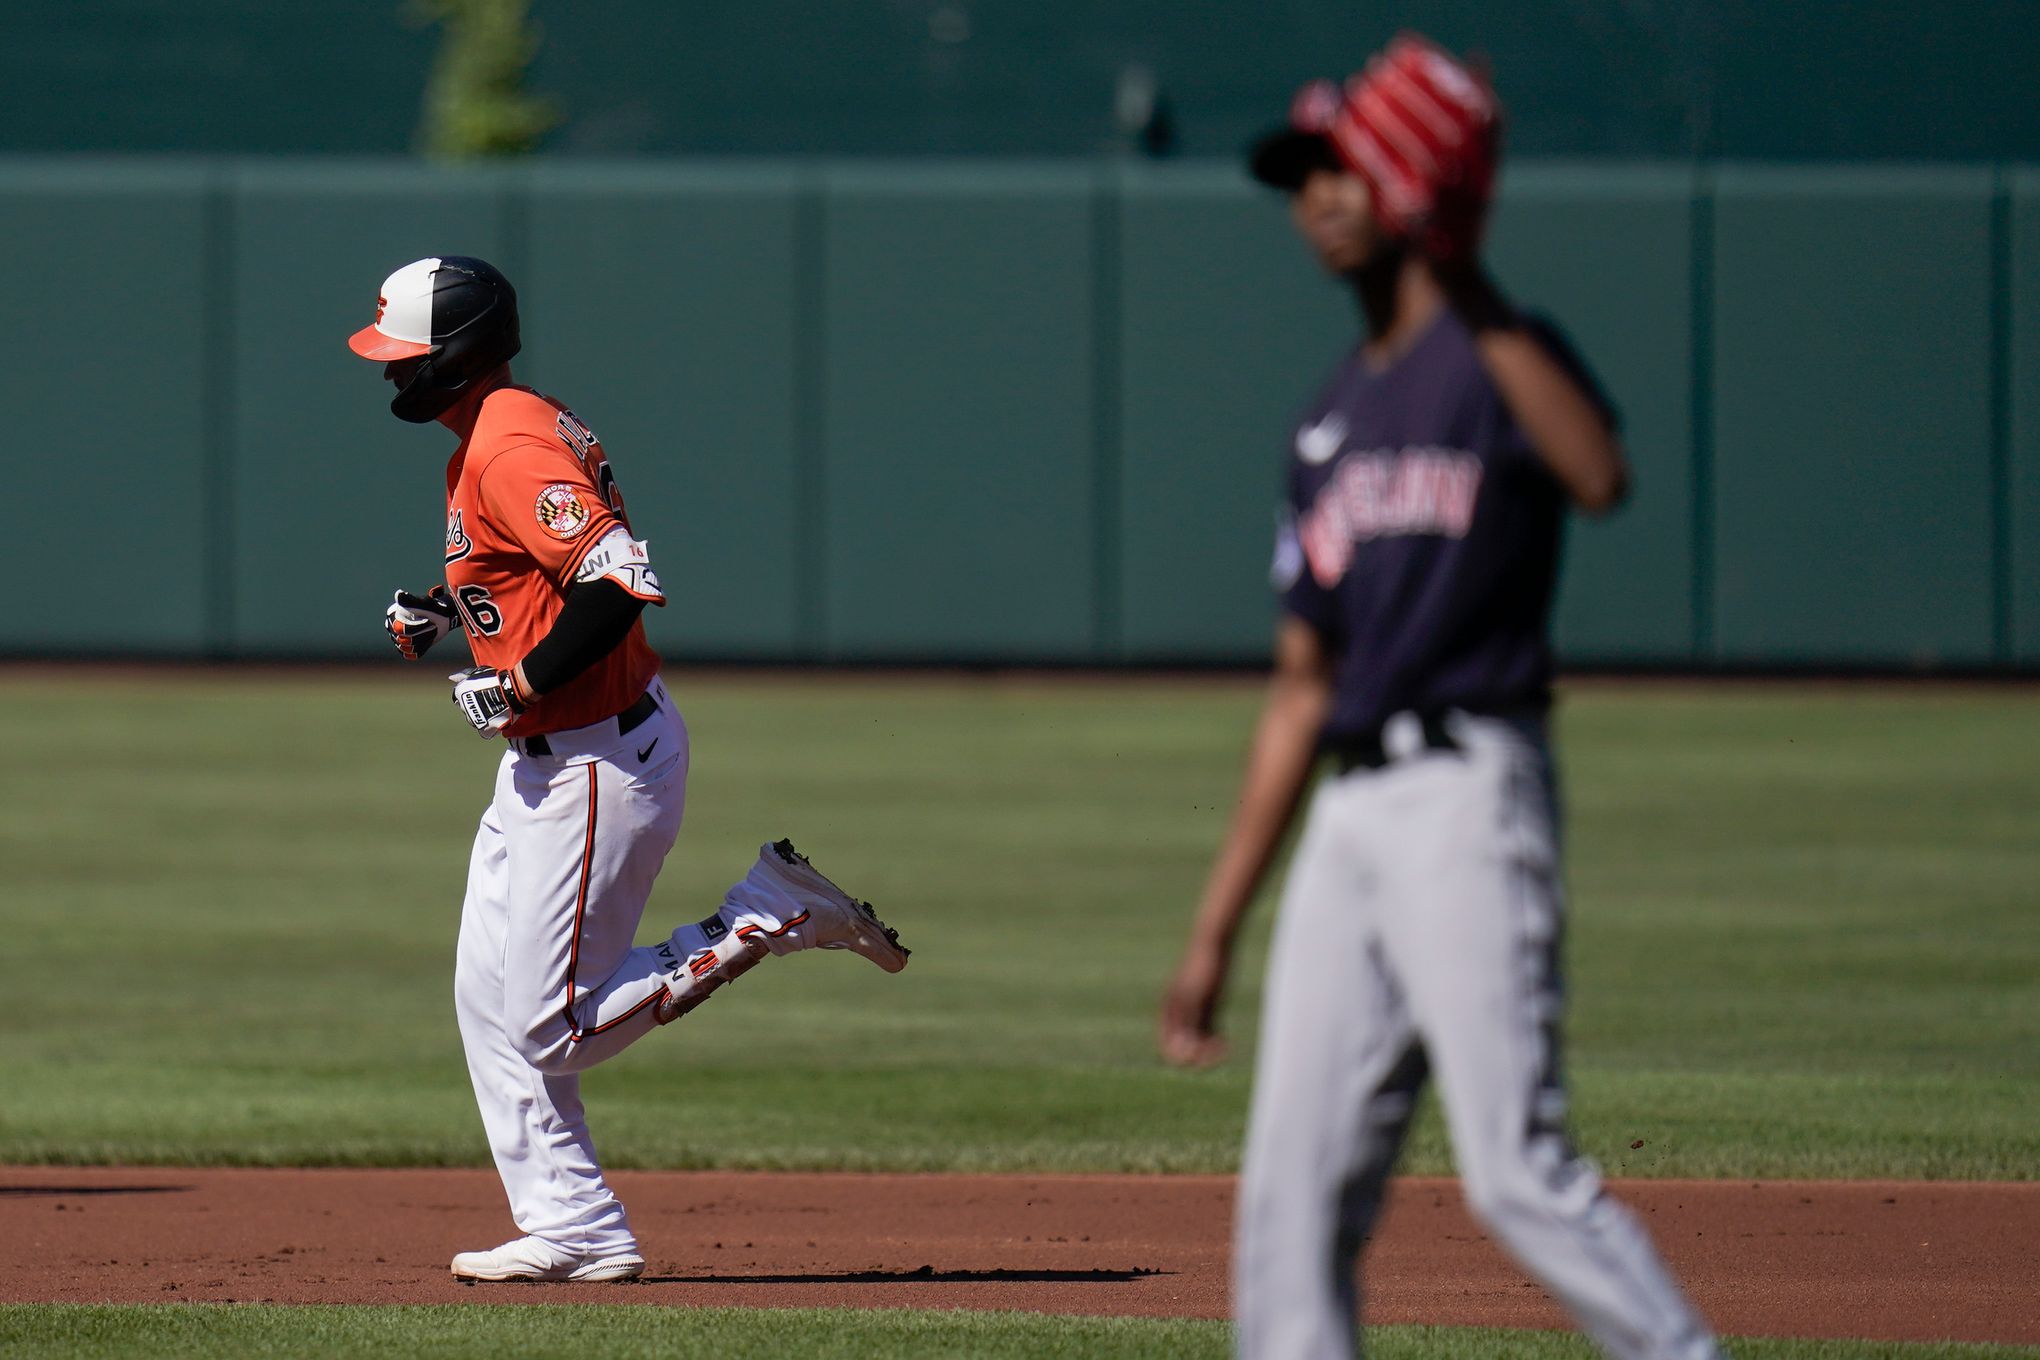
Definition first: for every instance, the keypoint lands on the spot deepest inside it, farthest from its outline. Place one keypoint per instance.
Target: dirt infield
(1882, 1260)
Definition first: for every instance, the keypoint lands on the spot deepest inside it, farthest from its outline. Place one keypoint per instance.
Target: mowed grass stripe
(205, 1331)
(1801, 941)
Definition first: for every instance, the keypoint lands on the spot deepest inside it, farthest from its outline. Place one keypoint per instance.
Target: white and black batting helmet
(456, 313)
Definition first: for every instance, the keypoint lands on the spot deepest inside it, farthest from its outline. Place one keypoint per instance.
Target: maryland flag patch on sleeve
(562, 511)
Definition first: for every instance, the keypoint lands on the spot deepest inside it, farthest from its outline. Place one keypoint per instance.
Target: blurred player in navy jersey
(1420, 924)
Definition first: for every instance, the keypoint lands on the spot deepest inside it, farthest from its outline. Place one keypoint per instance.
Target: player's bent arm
(1561, 419)
(611, 587)
(596, 617)
(1279, 765)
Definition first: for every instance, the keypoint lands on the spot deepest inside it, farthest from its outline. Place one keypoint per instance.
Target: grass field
(1802, 945)
(1802, 942)
(627, 1333)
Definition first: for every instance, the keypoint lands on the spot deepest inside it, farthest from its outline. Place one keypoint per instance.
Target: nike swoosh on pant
(647, 751)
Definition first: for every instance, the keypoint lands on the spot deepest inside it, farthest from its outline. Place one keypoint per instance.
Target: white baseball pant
(547, 982)
(1419, 935)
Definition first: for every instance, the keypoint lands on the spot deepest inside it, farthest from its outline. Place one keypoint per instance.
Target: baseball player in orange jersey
(547, 579)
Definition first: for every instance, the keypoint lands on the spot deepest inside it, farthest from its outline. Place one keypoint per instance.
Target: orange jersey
(528, 493)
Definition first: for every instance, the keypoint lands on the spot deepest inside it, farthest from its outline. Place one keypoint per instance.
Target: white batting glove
(415, 622)
(487, 698)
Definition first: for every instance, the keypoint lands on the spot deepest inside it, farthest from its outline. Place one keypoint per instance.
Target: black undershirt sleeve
(596, 617)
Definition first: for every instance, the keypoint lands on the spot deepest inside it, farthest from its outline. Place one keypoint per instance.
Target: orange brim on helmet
(371, 343)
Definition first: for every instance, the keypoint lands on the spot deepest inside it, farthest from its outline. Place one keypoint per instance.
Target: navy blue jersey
(1421, 537)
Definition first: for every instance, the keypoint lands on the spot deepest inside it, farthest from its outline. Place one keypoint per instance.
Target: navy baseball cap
(1287, 156)
(1284, 158)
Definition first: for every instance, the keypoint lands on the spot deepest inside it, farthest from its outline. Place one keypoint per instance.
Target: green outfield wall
(1009, 412)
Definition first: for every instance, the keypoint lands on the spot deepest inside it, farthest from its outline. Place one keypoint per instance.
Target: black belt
(1365, 751)
(630, 718)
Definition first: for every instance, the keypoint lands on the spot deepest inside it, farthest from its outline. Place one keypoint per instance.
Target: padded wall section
(336, 502)
(116, 507)
(957, 394)
(1852, 390)
(1226, 327)
(669, 320)
(2021, 577)
(1606, 253)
